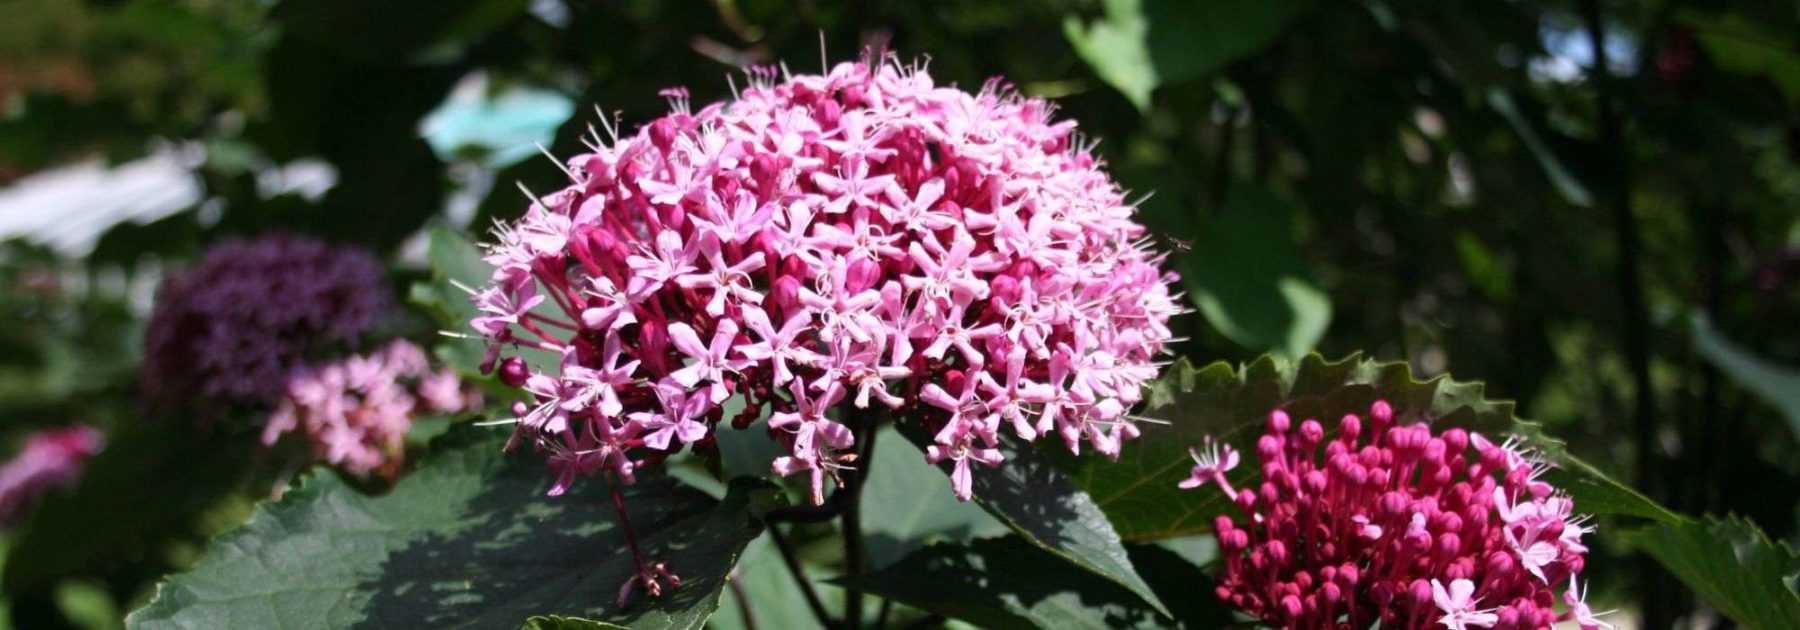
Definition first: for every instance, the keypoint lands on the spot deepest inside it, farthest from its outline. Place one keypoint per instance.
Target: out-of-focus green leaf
(905, 504)
(1732, 565)
(1248, 280)
(1777, 385)
(508, 127)
(1139, 45)
(1031, 496)
(1232, 404)
(468, 540)
(1571, 189)
(1742, 47)
(1008, 583)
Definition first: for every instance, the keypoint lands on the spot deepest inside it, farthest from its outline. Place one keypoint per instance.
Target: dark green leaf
(1231, 403)
(1139, 45)
(905, 506)
(1008, 583)
(1030, 495)
(467, 540)
(1249, 281)
(1779, 386)
(558, 622)
(454, 261)
(775, 601)
(1732, 565)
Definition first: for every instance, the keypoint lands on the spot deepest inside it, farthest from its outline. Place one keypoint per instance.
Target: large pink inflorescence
(864, 236)
(1397, 525)
(51, 458)
(354, 413)
(232, 327)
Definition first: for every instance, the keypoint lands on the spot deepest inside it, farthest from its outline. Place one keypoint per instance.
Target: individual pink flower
(1395, 525)
(354, 412)
(864, 234)
(51, 458)
(231, 327)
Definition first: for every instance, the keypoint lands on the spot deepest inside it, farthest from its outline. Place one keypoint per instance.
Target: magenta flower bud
(1382, 414)
(1279, 422)
(1290, 605)
(1457, 440)
(1311, 432)
(1348, 573)
(1420, 592)
(1332, 593)
(513, 372)
(1277, 551)
(1349, 428)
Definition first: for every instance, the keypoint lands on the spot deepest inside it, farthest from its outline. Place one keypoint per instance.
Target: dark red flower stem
(637, 553)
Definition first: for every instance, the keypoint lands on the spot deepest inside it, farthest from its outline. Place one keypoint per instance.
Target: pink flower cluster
(1397, 525)
(51, 458)
(231, 327)
(354, 413)
(863, 236)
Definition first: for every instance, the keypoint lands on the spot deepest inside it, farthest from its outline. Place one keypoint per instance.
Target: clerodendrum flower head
(1396, 525)
(354, 412)
(230, 328)
(864, 237)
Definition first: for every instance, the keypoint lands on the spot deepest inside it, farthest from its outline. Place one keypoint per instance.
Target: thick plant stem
(794, 568)
(852, 526)
(743, 601)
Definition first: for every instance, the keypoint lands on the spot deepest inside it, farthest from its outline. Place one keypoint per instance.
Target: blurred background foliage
(1590, 205)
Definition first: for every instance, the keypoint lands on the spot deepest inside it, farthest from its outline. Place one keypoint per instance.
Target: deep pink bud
(513, 372)
(1279, 421)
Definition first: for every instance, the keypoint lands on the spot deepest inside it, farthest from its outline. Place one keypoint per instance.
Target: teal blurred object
(503, 127)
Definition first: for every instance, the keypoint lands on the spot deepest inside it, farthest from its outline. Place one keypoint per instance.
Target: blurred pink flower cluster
(230, 328)
(1397, 525)
(51, 458)
(354, 412)
(867, 236)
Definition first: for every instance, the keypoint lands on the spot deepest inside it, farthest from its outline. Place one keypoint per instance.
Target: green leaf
(1740, 46)
(1036, 500)
(1230, 403)
(1139, 45)
(1248, 279)
(1777, 385)
(454, 261)
(775, 601)
(1731, 564)
(905, 506)
(1565, 183)
(1009, 583)
(558, 622)
(467, 540)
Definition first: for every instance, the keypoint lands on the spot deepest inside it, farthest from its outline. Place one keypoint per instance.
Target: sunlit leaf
(467, 540)
(1139, 45)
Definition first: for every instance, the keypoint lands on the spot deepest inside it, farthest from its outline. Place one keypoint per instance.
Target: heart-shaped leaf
(1038, 501)
(467, 540)
(1232, 404)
